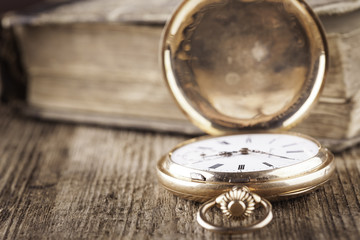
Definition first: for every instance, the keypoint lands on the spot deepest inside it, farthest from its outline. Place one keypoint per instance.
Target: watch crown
(237, 203)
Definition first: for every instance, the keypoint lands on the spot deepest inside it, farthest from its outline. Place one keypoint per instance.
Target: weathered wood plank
(84, 182)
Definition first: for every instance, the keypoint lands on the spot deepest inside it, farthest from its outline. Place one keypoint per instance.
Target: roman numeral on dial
(216, 166)
(241, 167)
(268, 164)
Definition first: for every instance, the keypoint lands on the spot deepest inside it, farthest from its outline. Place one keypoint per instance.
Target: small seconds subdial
(245, 152)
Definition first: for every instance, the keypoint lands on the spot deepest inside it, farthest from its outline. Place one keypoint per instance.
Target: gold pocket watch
(244, 71)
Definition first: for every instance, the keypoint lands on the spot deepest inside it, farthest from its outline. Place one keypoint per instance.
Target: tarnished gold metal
(244, 65)
(238, 202)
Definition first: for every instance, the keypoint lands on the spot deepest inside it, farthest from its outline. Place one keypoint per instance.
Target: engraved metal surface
(244, 64)
(237, 203)
(238, 198)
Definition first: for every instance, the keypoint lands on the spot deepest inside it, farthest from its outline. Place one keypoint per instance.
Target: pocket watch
(244, 71)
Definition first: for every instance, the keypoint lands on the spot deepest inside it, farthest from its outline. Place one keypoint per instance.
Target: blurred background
(96, 62)
(16, 5)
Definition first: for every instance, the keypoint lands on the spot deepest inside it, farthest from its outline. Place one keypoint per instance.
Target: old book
(97, 62)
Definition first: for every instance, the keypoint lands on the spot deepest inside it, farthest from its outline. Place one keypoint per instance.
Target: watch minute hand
(266, 153)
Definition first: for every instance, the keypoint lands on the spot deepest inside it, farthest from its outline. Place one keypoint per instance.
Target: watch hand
(242, 151)
(246, 151)
(221, 154)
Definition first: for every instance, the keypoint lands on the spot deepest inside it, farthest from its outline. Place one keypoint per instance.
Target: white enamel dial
(245, 152)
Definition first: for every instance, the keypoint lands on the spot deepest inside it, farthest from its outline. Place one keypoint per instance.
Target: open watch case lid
(243, 65)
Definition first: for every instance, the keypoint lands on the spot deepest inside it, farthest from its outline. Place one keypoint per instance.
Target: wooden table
(84, 182)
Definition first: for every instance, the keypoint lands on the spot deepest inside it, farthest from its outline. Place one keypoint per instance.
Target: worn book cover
(97, 62)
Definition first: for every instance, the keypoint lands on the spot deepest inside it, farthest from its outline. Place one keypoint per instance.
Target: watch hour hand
(221, 154)
(211, 157)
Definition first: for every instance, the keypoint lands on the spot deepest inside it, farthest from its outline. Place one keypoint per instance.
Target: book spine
(13, 77)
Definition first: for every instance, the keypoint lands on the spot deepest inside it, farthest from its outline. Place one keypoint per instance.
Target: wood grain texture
(62, 181)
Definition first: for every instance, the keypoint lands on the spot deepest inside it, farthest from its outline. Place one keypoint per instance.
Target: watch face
(245, 152)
